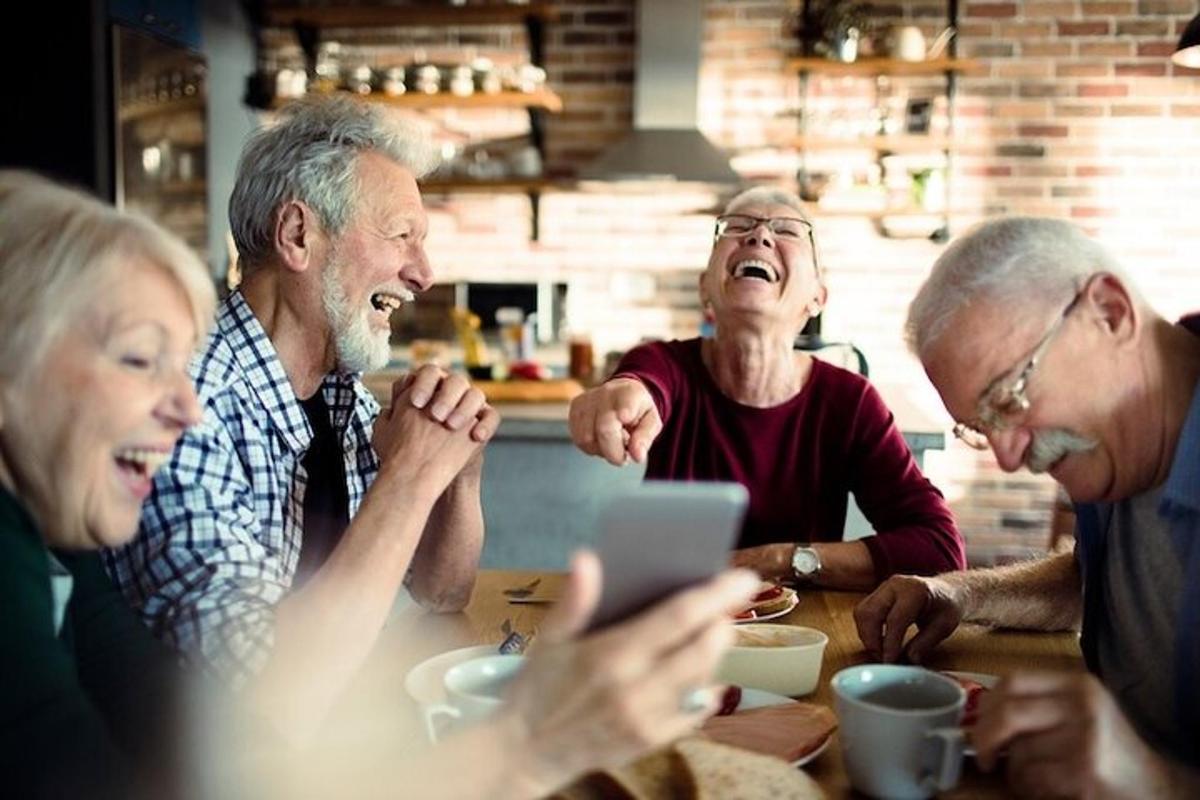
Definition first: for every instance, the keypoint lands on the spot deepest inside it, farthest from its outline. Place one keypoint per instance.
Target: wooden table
(413, 635)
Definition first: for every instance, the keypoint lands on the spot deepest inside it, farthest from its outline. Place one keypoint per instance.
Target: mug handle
(949, 765)
(432, 713)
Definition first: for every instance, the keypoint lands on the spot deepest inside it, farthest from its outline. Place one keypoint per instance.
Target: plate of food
(771, 602)
(772, 724)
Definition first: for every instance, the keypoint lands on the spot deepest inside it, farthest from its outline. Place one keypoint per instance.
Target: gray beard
(358, 348)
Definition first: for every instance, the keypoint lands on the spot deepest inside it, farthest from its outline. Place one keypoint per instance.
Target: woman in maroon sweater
(799, 433)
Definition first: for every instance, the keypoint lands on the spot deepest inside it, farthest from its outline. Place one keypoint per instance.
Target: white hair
(1028, 264)
(766, 196)
(57, 246)
(310, 156)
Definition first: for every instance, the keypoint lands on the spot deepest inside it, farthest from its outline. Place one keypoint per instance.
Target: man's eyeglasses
(787, 228)
(1003, 404)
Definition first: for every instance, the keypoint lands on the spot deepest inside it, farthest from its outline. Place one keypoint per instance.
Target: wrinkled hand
(1065, 738)
(901, 601)
(596, 702)
(617, 421)
(435, 428)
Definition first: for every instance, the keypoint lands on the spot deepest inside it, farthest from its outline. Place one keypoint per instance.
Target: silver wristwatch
(806, 564)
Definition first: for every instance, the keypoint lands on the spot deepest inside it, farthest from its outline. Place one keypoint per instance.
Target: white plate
(774, 614)
(424, 681)
(759, 698)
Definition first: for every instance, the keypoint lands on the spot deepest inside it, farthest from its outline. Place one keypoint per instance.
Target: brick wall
(1078, 114)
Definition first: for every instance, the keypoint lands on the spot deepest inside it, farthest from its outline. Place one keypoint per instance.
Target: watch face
(805, 561)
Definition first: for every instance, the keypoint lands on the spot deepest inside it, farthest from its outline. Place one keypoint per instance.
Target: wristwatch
(806, 564)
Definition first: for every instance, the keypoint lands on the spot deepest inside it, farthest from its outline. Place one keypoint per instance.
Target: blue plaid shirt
(220, 534)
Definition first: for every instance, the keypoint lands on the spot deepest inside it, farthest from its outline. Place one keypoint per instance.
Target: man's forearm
(324, 631)
(447, 559)
(1035, 595)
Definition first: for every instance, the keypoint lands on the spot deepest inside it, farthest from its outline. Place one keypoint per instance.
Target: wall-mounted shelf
(871, 67)
(432, 15)
(543, 99)
(898, 143)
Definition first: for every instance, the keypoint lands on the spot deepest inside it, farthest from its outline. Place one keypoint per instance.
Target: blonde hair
(57, 245)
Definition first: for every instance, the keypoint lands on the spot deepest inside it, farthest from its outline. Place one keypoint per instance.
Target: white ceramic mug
(474, 690)
(908, 43)
(899, 729)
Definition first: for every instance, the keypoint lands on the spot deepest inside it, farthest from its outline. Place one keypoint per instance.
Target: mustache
(1049, 446)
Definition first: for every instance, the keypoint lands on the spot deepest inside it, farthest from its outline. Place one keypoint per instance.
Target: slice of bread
(720, 772)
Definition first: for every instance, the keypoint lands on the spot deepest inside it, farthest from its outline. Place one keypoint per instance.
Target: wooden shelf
(506, 186)
(430, 15)
(543, 99)
(900, 143)
(869, 67)
(143, 109)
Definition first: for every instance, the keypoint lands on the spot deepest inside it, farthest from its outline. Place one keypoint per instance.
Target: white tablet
(662, 537)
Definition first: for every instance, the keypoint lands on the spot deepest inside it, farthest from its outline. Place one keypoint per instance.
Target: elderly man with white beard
(1042, 349)
(283, 525)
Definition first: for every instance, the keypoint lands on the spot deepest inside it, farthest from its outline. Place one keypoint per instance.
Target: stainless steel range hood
(665, 143)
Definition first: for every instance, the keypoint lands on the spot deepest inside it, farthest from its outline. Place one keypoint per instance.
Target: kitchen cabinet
(310, 23)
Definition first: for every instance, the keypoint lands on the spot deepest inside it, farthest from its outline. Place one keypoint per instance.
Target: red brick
(1073, 191)
(1141, 27)
(1051, 9)
(1185, 109)
(1035, 170)
(1098, 171)
(1023, 68)
(1106, 8)
(1073, 110)
(1090, 28)
(1103, 90)
(1052, 49)
(976, 30)
(1106, 49)
(1083, 212)
(991, 10)
(1156, 49)
(1024, 30)
(1021, 110)
(1158, 8)
(1081, 69)
(1143, 70)
(1057, 131)
(1131, 110)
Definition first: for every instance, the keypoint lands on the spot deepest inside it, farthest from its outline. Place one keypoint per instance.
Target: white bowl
(792, 669)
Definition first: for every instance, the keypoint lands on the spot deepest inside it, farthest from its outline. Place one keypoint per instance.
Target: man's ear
(1114, 307)
(704, 302)
(296, 235)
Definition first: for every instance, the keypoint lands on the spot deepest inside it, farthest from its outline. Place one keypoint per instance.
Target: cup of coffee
(474, 690)
(899, 729)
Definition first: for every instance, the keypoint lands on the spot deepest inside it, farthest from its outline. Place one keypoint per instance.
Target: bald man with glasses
(1043, 351)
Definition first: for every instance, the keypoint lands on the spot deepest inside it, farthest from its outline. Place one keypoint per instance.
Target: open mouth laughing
(387, 302)
(137, 466)
(754, 269)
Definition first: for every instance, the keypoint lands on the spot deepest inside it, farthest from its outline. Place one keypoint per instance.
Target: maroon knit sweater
(799, 460)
